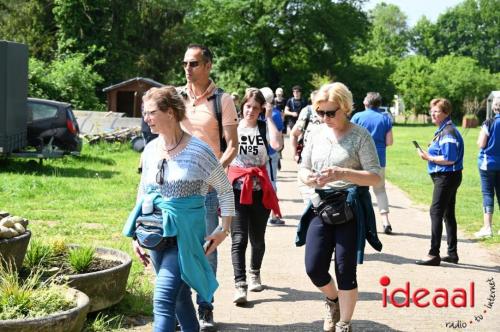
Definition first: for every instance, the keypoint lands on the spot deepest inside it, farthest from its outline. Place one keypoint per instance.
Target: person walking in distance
(293, 107)
(200, 97)
(380, 127)
(301, 133)
(274, 156)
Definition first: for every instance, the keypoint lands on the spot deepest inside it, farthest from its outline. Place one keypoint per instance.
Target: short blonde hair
(167, 97)
(336, 92)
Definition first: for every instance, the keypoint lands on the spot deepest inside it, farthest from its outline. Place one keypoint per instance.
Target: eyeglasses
(330, 114)
(150, 113)
(161, 169)
(435, 111)
(192, 64)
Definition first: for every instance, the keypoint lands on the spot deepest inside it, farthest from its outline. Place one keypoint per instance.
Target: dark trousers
(443, 207)
(250, 222)
(321, 241)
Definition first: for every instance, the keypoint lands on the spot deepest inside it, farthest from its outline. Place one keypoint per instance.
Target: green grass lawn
(406, 170)
(83, 200)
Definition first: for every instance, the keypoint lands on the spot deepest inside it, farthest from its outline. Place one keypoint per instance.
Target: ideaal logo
(423, 297)
(439, 298)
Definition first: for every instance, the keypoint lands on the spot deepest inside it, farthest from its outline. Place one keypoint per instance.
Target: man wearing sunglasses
(380, 127)
(201, 122)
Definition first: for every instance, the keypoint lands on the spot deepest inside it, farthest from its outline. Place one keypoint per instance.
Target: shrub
(38, 255)
(81, 258)
(29, 298)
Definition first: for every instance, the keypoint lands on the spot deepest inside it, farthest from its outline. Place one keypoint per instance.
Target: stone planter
(66, 321)
(107, 287)
(469, 122)
(14, 249)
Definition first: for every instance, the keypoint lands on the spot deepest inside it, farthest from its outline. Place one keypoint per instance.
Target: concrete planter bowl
(71, 320)
(107, 287)
(13, 250)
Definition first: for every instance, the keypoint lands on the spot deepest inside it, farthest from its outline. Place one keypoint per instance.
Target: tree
(470, 29)
(456, 78)
(423, 38)
(389, 32)
(459, 78)
(278, 43)
(30, 22)
(65, 79)
(412, 80)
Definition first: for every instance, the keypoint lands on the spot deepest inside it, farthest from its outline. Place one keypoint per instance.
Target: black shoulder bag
(333, 208)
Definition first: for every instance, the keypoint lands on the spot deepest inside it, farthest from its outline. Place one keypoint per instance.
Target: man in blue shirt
(380, 127)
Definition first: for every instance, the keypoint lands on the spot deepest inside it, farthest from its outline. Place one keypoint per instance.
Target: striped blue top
(447, 142)
(188, 173)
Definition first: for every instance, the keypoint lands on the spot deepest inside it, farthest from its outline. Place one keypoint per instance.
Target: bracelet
(227, 232)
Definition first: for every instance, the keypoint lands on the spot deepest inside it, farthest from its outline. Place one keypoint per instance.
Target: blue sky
(414, 9)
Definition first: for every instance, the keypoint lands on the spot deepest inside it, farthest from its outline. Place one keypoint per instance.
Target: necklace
(176, 145)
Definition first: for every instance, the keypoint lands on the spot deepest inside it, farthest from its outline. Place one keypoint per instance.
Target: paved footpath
(290, 302)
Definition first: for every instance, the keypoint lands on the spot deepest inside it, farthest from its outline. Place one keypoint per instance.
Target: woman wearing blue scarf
(177, 171)
(444, 164)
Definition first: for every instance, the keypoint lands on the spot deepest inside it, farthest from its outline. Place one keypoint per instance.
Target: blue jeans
(211, 222)
(172, 296)
(275, 158)
(490, 183)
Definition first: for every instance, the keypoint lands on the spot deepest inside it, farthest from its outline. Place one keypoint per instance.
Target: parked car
(386, 110)
(52, 124)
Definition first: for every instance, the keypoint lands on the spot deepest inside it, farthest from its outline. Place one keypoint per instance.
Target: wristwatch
(227, 231)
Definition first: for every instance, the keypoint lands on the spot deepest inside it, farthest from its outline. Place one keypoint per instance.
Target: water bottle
(147, 205)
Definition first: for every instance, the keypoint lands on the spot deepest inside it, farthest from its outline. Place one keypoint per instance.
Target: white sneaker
(483, 233)
(255, 285)
(240, 294)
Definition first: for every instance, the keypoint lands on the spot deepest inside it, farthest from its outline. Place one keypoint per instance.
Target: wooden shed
(126, 97)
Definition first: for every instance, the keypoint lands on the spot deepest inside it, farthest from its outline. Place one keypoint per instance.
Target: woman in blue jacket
(489, 168)
(444, 164)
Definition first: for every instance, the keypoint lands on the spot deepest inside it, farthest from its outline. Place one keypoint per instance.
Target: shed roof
(135, 79)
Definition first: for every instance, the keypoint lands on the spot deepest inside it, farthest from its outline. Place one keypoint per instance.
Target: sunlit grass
(82, 200)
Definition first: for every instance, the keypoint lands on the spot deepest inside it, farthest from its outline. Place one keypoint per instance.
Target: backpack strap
(308, 118)
(217, 98)
(262, 125)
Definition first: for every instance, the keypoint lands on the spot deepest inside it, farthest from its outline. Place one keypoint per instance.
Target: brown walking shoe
(332, 315)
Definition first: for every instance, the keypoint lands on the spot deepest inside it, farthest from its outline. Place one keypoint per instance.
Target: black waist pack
(334, 210)
(149, 233)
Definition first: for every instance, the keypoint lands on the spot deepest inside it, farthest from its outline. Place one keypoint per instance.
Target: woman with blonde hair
(340, 163)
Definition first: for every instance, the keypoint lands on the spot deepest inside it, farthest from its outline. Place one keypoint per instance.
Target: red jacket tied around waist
(269, 198)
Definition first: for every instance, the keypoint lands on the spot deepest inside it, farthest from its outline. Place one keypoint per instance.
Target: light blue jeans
(275, 158)
(211, 222)
(172, 296)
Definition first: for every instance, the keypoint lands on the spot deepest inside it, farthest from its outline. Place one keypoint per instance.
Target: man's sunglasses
(192, 64)
(330, 114)
(161, 169)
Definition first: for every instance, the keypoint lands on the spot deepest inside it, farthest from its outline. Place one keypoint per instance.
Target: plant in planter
(32, 304)
(471, 108)
(101, 273)
(14, 239)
